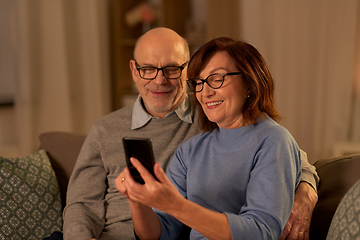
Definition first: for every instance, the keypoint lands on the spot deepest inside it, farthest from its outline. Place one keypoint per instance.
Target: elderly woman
(237, 179)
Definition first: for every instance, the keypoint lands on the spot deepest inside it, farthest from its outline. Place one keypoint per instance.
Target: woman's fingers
(120, 185)
(160, 174)
(144, 173)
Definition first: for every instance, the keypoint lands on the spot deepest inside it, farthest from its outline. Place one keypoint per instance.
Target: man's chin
(161, 109)
(163, 105)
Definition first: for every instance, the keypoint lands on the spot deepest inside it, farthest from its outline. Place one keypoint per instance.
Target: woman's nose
(207, 90)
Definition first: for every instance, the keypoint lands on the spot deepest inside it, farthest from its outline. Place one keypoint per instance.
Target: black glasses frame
(190, 82)
(181, 67)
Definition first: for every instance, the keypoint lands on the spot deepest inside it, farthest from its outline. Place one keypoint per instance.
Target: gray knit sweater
(94, 208)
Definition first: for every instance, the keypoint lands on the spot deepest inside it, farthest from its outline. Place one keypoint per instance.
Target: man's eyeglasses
(150, 73)
(214, 81)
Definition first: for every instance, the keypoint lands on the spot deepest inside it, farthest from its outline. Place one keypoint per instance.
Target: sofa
(337, 176)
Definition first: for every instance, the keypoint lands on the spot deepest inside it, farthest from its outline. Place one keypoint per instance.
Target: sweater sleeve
(176, 172)
(308, 172)
(84, 214)
(270, 191)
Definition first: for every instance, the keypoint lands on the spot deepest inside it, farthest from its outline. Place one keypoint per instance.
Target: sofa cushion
(63, 149)
(346, 221)
(337, 176)
(30, 206)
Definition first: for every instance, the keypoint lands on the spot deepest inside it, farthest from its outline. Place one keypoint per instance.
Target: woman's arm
(213, 225)
(298, 225)
(145, 222)
(164, 196)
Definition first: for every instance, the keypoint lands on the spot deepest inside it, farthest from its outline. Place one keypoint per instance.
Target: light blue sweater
(249, 173)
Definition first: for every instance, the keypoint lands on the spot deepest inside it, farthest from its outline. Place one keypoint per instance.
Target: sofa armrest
(337, 176)
(62, 149)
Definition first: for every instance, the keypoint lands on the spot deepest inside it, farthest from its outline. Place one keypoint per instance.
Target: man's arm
(308, 172)
(305, 200)
(84, 213)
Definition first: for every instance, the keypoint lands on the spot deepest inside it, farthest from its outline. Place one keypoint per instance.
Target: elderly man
(163, 113)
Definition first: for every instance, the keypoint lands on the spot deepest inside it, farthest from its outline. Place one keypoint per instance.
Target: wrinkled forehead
(160, 53)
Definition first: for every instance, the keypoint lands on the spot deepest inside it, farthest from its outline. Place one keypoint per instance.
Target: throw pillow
(346, 221)
(30, 203)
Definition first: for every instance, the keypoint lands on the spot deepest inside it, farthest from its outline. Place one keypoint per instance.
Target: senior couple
(226, 170)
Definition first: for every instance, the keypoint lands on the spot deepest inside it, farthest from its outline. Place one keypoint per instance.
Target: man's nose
(160, 78)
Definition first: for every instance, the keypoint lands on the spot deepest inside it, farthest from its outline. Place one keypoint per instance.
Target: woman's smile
(213, 104)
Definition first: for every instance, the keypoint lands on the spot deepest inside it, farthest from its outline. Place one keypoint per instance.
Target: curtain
(311, 48)
(63, 67)
(354, 131)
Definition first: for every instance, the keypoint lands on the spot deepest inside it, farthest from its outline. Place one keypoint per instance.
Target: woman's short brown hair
(255, 74)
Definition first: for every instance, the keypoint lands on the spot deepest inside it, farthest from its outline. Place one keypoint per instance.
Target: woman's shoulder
(198, 138)
(193, 142)
(269, 128)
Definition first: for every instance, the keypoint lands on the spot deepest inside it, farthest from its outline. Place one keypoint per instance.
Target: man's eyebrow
(167, 65)
(145, 65)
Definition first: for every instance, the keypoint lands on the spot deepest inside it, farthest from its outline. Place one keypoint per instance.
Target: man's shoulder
(121, 115)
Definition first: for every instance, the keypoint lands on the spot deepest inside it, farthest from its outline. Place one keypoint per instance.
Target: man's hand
(298, 225)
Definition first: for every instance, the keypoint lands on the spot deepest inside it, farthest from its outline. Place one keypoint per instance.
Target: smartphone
(141, 149)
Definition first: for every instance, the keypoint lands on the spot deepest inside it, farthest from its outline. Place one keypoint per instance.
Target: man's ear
(134, 72)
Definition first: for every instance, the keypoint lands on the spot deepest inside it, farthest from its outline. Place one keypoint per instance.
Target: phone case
(141, 149)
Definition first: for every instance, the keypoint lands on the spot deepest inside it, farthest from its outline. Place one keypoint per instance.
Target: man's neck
(160, 114)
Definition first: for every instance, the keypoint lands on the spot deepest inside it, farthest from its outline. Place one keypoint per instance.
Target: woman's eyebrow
(216, 69)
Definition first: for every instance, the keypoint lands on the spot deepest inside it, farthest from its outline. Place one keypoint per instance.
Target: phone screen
(141, 149)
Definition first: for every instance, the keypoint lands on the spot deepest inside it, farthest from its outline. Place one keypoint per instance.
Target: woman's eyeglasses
(214, 81)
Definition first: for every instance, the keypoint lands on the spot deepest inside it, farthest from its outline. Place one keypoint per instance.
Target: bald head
(160, 41)
(160, 48)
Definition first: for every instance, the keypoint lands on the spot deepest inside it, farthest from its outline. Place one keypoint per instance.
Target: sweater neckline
(229, 138)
